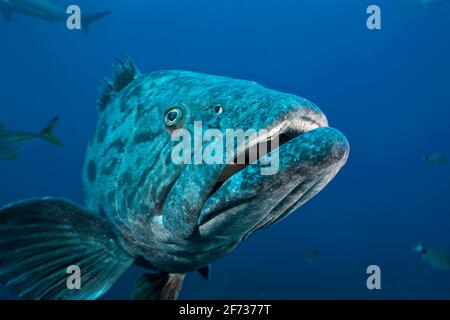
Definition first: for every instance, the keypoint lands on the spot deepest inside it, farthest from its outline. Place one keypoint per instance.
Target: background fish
(436, 159)
(436, 258)
(142, 209)
(311, 256)
(11, 142)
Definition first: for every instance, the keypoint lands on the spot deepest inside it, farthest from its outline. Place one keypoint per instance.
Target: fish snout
(317, 151)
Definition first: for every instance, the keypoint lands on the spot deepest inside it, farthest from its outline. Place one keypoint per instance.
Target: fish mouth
(239, 188)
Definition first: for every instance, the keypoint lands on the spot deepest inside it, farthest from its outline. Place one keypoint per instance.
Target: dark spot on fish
(162, 196)
(103, 102)
(123, 104)
(127, 178)
(110, 168)
(143, 177)
(145, 208)
(101, 133)
(144, 136)
(240, 93)
(119, 145)
(139, 162)
(141, 111)
(169, 161)
(133, 92)
(101, 211)
(131, 196)
(110, 197)
(92, 171)
(152, 85)
(138, 186)
(140, 183)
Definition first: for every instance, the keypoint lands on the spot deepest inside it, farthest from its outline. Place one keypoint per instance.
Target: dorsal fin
(124, 72)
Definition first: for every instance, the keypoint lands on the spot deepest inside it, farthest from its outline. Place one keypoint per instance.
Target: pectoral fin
(41, 240)
(161, 286)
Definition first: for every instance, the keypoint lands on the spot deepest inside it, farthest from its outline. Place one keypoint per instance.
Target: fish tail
(53, 249)
(88, 19)
(47, 132)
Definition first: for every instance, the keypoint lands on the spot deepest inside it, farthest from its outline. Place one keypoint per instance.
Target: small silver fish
(438, 259)
(11, 142)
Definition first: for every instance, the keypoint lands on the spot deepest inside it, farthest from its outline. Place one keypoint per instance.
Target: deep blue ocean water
(387, 90)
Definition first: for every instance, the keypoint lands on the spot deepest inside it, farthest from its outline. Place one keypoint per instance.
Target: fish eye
(218, 109)
(173, 116)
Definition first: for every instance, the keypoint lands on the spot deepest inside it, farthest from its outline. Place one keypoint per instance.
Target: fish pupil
(218, 109)
(172, 116)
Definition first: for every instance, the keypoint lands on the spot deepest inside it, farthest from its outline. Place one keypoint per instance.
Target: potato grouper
(143, 209)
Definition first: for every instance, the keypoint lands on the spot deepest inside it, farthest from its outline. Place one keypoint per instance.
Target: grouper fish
(143, 209)
(46, 10)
